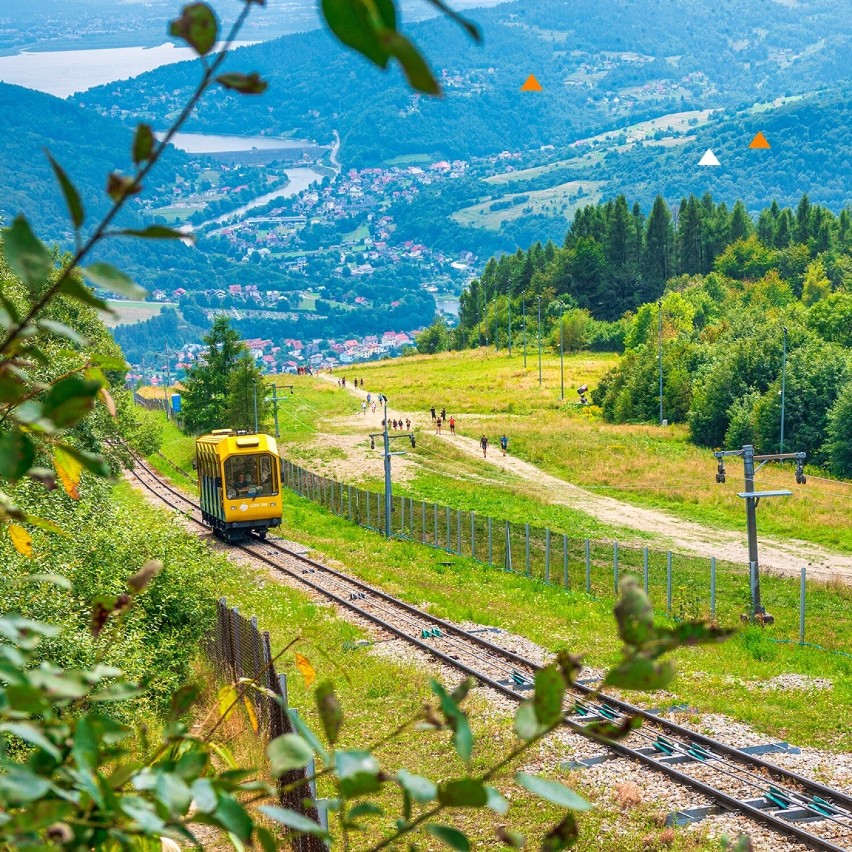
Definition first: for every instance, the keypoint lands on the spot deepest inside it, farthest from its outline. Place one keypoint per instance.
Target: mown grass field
(645, 465)
(127, 312)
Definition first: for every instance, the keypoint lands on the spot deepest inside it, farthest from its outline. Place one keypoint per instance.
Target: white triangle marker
(709, 159)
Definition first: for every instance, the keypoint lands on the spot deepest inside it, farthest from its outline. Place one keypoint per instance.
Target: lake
(212, 143)
(65, 72)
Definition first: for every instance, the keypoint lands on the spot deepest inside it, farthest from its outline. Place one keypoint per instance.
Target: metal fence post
(802, 591)
(458, 532)
(349, 500)
(508, 557)
(547, 555)
(527, 541)
(402, 517)
(588, 545)
(565, 560)
(368, 509)
(411, 517)
(615, 566)
(449, 533)
(435, 508)
(669, 582)
(490, 542)
(712, 586)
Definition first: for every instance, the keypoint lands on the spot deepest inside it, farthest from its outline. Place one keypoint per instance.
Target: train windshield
(251, 475)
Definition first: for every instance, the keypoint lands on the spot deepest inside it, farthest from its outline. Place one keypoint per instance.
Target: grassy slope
(641, 464)
(723, 679)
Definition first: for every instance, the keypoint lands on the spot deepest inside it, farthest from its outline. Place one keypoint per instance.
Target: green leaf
(364, 809)
(512, 839)
(634, 614)
(232, 816)
(142, 813)
(293, 820)
(17, 454)
(143, 144)
(19, 785)
(204, 795)
(549, 691)
(69, 191)
(245, 84)
(268, 841)
(420, 789)
(527, 725)
(192, 764)
(350, 21)
(350, 763)
(75, 289)
(62, 330)
(331, 713)
(156, 232)
(562, 836)
(689, 633)
(552, 791)
(109, 278)
(197, 26)
(457, 720)
(641, 672)
(496, 802)
(70, 400)
(52, 579)
(31, 734)
(26, 255)
(449, 835)
(463, 793)
(417, 71)
(182, 700)
(307, 733)
(287, 752)
(117, 692)
(173, 793)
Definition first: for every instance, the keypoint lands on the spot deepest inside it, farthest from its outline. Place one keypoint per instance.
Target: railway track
(801, 808)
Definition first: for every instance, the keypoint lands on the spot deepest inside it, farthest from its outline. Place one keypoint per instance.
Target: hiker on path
(364, 408)
(504, 444)
(443, 414)
(432, 410)
(438, 426)
(483, 442)
(452, 425)
(369, 398)
(407, 424)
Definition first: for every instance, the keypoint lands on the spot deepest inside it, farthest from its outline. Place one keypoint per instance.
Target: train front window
(250, 476)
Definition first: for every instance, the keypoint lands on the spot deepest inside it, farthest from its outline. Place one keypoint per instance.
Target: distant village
(294, 356)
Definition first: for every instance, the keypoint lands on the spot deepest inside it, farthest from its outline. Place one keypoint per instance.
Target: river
(212, 143)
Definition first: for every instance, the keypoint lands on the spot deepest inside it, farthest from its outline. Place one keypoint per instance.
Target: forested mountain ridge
(87, 145)
(599, 62)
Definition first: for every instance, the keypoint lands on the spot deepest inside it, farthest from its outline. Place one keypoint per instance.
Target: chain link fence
(239, 649)
(682, 586)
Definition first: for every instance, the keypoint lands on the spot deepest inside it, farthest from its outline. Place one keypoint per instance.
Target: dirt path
(786, 556)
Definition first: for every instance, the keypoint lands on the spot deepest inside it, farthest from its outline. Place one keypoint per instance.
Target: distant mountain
(602, 63)
(87, 145)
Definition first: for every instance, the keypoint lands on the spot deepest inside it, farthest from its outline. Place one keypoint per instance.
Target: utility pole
(510, 326)
(254, 382)
(524, 310)
(388, 454)
(783, 385)
(660, 352)
(752, 499)
(562, 357)
(275, 405)
(539, 341)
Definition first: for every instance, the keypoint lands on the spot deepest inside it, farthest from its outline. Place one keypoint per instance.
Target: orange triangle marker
(760, 141)
(532, 85)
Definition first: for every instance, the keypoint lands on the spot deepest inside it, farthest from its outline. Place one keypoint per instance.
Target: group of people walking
(440, 420)
(504, 445)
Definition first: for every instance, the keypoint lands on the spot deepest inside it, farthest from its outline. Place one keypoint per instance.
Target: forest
(727, 303)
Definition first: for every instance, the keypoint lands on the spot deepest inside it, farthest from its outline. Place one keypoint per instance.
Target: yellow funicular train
(239, 483)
